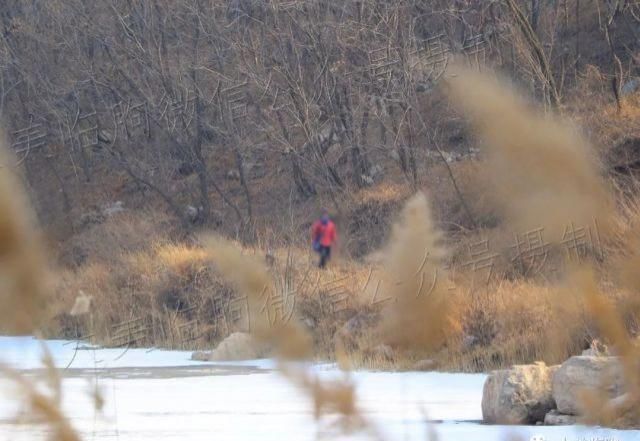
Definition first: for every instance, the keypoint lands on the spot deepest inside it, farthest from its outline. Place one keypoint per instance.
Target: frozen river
(153, 395)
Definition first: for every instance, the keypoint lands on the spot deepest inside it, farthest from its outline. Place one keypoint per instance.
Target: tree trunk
(201, 166)
(538, 52)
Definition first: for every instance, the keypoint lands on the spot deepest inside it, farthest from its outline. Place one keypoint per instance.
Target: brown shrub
(543, 174)
(23, 280)
(420, 314)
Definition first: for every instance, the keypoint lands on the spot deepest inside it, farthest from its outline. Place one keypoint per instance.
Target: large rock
(585, 373)
(555, 418)
(237, 346)
(520, 395)
(623, 412)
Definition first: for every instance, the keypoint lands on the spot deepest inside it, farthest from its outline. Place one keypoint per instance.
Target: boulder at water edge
(237, 346)
(582, 374)
(520, 395)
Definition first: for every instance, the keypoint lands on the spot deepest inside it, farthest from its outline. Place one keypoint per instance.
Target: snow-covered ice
(26, 353)
(169, 397)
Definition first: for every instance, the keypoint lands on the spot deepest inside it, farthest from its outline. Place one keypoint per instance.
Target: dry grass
(165, 284)
(592, 107)
(546, 176)
(543, 174)
(23, 287)
(513, 322)
(290, 340)
(622, 411)
(538, 173)
(23, 279)
(420, 314)
(180, 258)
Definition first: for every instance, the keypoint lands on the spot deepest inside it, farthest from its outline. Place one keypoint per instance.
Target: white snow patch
(259, 406)
(26, 353)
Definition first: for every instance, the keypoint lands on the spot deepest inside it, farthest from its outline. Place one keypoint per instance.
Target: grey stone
(555, 418)
(520, 395)
(237, 346)
(630, 87)
(585, 373)
(114, 208)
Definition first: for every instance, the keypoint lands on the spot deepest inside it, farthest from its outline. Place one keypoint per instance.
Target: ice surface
(26, 353)
(260, 404)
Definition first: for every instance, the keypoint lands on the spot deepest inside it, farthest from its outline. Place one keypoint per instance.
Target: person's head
(324, 218)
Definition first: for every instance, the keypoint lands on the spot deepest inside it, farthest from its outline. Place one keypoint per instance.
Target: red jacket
(325, 234)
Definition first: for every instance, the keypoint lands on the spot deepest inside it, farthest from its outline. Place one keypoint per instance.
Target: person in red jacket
(323, 236)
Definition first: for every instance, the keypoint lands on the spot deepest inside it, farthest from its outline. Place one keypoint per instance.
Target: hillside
(141, 128)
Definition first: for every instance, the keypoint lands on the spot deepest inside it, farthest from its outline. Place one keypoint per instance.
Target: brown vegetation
(247, 119)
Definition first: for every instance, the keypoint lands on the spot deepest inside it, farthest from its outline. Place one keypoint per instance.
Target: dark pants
(325, 254)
